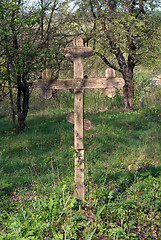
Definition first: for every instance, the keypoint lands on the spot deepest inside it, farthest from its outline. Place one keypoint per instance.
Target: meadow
(122, 171)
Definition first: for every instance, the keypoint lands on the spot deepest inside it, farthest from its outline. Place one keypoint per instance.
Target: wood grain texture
(79, 83)
(110, 91)
(79, 123)
(79, 174)
(78, 52)
(47, 93)
(109, 72)
(46, 75)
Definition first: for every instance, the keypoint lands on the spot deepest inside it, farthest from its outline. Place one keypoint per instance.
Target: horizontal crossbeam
(78, 52)
(80, 83)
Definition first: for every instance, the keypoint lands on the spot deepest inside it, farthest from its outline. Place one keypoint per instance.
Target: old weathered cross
(79, 83)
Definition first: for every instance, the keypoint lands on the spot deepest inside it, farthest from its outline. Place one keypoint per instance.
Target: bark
(1, 93)
(11, 101)
(10, 91)
(128, 92)
(23, 97)
(42, 19)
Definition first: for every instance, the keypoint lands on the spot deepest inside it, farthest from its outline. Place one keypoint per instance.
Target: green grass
(122, 171)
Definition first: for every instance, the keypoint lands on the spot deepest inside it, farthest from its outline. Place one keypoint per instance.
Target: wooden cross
(79, 83)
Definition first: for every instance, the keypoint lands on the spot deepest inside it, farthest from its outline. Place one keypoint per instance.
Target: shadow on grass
(2, 116)
(46, 140)
(119, 182)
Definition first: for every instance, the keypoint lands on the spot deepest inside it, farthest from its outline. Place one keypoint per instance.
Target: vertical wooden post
(78, 125)
(110, 91)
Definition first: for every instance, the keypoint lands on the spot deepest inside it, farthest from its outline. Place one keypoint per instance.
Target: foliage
(29, 35)
(123, 34)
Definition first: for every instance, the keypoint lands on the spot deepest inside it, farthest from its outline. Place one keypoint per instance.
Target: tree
(25, 42)
(124, 29)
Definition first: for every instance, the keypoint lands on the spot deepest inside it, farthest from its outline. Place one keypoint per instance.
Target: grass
(122, 171)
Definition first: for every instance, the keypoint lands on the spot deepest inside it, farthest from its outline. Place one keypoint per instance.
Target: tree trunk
(22, 104)
(12, 107)
(128, 92)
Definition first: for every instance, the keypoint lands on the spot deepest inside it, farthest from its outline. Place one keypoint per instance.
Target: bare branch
(132, 6)
(106, 61)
